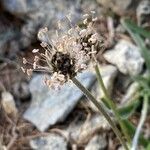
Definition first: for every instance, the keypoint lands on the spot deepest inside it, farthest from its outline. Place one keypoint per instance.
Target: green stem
(101, 109)
(111, 104)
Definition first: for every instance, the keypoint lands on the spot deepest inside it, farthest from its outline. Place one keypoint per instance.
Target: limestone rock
(126, 57)
(48, 106)
(8, 104)
(50, 142)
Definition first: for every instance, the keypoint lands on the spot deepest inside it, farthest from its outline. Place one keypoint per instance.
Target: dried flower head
(67, 54)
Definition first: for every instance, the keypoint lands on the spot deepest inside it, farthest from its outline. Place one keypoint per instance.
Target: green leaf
(137, 29)
(144, 51)
(126, 111)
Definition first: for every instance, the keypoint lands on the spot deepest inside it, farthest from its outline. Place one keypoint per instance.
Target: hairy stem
(111, 104)
(101, 109)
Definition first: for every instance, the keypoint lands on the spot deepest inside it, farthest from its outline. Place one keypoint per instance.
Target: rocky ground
(34, 117)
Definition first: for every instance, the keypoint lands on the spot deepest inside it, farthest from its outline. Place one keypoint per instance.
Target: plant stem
(111, 104)
(101, 109)
(141, 122)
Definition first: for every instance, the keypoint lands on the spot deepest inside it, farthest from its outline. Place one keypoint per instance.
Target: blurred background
(33, 117)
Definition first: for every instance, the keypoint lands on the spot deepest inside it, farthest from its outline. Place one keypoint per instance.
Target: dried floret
(67, 54)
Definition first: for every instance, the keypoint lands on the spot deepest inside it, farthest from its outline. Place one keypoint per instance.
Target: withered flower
(67, 54)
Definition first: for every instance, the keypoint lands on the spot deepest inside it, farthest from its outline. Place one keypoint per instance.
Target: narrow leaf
(126, 111)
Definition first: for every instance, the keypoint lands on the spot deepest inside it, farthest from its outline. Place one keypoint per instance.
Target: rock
(143, 13)
(119, 6)
(126, 57)
(48, 106)
(98, 142)
(81, 131)
(108, 73)
(8, 104)
(2, 147)
(50, 142)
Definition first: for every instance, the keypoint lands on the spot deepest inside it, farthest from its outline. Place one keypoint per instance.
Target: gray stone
(48, 106)
(50, 142)
(81, 131)
(98, 142)
(8, 103)
(2, 147)
(126, 57)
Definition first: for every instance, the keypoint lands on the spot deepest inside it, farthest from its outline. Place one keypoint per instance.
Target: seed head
(67, 54)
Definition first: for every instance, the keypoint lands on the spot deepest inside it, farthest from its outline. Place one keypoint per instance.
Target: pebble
(50, 142)
(49, 107)
(8, 103)
(126, 57)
